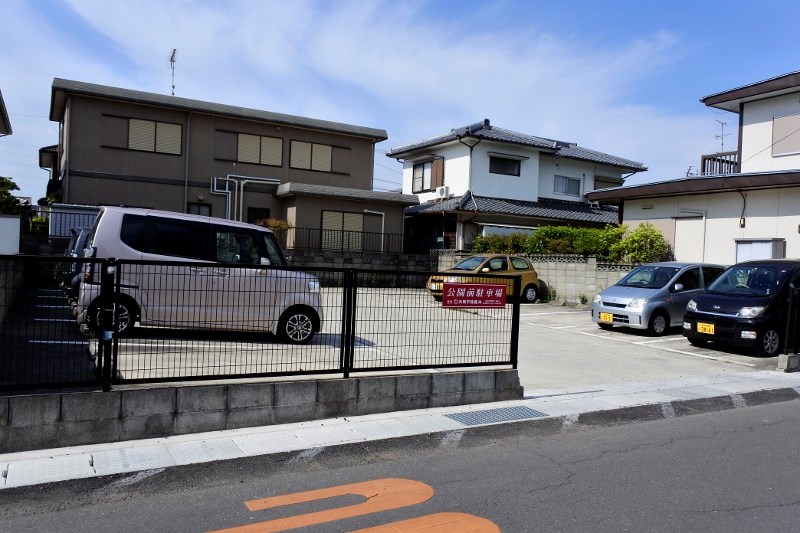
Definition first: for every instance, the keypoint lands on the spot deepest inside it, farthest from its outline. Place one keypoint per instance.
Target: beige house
(744, 204)
(123, 147)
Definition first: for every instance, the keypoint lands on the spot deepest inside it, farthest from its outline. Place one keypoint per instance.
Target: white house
(481, 179)
(744, 204)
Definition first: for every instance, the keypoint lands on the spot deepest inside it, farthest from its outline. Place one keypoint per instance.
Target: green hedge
(645, 244)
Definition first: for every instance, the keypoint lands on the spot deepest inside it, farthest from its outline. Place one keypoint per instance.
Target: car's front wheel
(659, 323)
(298, 325)
(769, 342)
(530, 293)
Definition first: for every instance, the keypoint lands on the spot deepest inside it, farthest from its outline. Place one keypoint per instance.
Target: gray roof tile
(557, 210)
(484, 130)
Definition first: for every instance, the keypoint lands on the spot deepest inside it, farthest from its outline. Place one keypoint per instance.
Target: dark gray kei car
(747, 305)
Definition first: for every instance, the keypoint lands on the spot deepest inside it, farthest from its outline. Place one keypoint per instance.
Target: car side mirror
(485, 269)
(264, 261)
(678, 287)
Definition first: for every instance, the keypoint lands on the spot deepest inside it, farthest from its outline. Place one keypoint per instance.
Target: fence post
(348, 321)
(515, 310)
(107, 319)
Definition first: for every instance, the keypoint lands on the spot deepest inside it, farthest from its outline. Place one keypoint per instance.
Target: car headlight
(691, 306)
(313, 285)
(597, 299)
(637, 303)
(750, 312)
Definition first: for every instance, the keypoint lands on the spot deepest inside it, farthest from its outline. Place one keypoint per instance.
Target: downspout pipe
(460, 245)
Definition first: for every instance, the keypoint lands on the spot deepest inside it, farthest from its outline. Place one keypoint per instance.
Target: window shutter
(141, 135)
(437, 173)
(321, 157)
(301, 155)
(332, 230)
(785, 135)
(248, 150)
(353, 225)
(272, 151)
(168, 138)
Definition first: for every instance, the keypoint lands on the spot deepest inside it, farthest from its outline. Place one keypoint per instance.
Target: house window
(786, 135)
(259, 150)
(311, 156)
(150, 136)
(747, 249)
(197, 208)
(422, 177)
(568, 186)
(342, 231)
(504, 165)
(254, 214)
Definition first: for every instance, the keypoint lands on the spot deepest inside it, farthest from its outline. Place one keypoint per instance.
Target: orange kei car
(489, 265)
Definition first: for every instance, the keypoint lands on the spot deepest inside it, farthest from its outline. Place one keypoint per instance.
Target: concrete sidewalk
(560, 408)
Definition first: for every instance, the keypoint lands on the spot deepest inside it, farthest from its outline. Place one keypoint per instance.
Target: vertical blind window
(150, 136)
(311, 156)
(569, 186)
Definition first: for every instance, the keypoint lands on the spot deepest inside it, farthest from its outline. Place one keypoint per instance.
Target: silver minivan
(653, 296)
(251, 296)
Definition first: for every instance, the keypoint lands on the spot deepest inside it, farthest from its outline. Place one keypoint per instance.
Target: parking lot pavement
(561, 349)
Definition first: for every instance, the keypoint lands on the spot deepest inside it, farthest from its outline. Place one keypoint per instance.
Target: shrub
(645, 244)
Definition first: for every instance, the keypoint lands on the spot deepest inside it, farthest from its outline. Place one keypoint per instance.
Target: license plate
(703, 327)
(606, 317)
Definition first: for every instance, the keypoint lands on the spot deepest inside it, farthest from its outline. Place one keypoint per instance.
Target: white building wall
(757, 138)
(713, 221)
(584, 171)
(522, 187)
(456, 172)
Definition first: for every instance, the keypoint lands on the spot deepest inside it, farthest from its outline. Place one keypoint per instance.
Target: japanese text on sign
(473, 295)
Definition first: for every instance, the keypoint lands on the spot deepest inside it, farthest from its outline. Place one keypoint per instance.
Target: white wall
(456, 171)
(9, 234)
(757, 134)
(523, 187)
(713, 220)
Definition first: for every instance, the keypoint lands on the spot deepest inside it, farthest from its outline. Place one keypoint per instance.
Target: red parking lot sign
(473, 295)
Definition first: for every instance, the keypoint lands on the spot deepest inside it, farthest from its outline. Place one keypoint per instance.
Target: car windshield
(649, 277)
(470, 264)
(749, 280)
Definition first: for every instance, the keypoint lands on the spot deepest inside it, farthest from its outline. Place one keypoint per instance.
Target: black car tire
(298, 325)
(769, 342)
(126, 311)
(659, 323)
(529, 293)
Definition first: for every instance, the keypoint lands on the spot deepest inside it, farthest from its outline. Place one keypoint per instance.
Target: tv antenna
(722, 135)
(172, 66)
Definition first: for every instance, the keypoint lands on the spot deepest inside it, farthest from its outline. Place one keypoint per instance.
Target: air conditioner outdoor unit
(441, 192)
(594, 204)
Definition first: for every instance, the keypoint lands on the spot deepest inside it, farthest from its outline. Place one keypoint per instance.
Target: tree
(645, 244)
(10, 204)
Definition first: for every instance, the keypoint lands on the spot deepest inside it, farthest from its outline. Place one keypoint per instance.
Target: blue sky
(623, 77)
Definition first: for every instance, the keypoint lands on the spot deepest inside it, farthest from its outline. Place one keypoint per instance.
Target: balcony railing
(719, 163)
(340, 240)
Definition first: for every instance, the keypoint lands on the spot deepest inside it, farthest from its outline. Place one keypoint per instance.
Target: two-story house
(744, 204)
(481, 179)
(120, 146)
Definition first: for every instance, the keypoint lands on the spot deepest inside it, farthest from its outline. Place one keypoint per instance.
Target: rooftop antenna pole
(172, 66)
(722, 136)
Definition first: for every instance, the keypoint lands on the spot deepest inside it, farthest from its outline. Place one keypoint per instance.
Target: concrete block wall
(51, 420)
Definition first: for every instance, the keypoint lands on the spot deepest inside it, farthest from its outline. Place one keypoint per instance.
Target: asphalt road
(734, 470)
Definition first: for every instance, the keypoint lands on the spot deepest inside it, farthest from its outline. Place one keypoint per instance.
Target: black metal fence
(340, 240)
(197, 321)
(792, 344)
